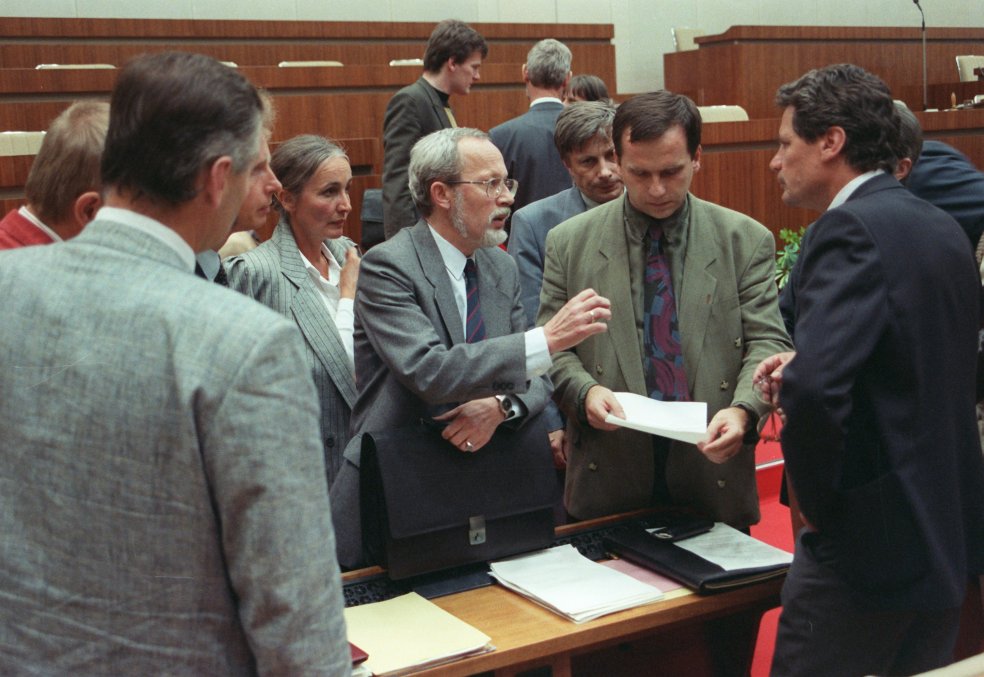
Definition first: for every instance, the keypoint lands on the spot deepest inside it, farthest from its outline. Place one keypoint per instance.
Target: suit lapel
(696, 295)
(309, 313)
(496, 305)
(614, 283)
(432, 266)
(439, 111)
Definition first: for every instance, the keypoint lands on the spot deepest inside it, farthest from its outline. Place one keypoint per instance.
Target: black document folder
(637, 545)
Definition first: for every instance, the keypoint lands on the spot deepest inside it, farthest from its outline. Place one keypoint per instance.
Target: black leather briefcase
(428, 506)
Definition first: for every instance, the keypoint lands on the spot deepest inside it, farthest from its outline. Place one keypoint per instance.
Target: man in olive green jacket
(721, 264)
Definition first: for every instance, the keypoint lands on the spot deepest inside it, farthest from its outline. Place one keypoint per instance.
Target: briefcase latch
(476, 530)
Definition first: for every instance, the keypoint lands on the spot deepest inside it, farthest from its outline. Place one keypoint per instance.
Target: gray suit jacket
(528, 241)
(532, 158)
(274, 275)
(411, 357)
(729, 322)
(414, 112)
(161, 502)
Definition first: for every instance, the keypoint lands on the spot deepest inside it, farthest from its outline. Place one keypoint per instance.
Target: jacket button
(599, 369)
(724, 385)
(592, 466)
(738, 342)
(721, 484)
(330, 441)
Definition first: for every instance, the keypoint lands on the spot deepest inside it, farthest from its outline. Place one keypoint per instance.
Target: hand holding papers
(567, 583)
(684, 421)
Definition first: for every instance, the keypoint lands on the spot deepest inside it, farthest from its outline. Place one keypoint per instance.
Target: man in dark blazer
(413, 359)
(527, 141)
(163, 508)
(583, 138)
(452, 61)
(880, 440)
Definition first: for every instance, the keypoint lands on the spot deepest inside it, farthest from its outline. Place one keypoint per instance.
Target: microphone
(924, 77)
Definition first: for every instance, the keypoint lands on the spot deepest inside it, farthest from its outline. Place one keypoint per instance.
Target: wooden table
(683, 635)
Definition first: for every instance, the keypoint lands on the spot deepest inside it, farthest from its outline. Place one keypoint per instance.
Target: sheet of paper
(684, 421)
(409, 631)
(568, 583)
(731, 549)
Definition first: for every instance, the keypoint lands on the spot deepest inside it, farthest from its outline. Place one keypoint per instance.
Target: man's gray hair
(436, 158)
(580, 122)
(548, 64)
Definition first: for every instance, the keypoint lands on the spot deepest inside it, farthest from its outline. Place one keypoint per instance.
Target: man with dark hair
(583, 138)
(63, 186)
(527, 141)
(426, 348)
(164, 508)
(693, 283)
(452, 61)
(880, 440)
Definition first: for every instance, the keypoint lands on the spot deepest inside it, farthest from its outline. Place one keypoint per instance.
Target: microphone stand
(924, 77)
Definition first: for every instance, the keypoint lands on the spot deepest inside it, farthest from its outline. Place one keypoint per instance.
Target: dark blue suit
(946, 178)
(527, 146)
(881, 442)
(528, 237)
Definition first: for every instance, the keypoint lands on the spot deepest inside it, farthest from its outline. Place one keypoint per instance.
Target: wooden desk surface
(526, 634)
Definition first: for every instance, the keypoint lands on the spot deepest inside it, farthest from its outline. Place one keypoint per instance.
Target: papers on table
(732, 550)
(409, 633)
(684, 421)
(567, 583)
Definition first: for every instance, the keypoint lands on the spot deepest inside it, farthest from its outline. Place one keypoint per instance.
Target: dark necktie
(220, 277)
(474, 326)
(666, 378)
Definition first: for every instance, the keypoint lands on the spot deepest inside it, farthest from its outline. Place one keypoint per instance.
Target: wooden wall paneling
(29, 27)
(768, 56)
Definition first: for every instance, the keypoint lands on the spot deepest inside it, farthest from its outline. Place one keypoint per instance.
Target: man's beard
(491, 237)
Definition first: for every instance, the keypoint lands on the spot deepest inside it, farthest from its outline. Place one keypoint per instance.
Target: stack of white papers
(568, 583)
(684, 421)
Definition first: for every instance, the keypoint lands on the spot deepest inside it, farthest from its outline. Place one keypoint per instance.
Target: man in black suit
(880, 439)
(451, 66)
(527, 141)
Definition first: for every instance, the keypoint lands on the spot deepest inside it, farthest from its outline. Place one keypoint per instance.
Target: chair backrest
(966, 65)
(683, 38)
(722, 113)
(20, 143)
(304, 64)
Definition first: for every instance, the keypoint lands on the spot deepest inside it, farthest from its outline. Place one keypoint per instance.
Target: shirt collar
(454, 260)
(29, 215)
(546, 99)
(848, 190)
(153, 228)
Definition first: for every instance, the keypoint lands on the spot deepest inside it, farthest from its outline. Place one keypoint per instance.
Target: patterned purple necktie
(474, 326)
(666, 378)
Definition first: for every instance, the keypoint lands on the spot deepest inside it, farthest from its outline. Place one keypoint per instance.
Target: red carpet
(774, 529)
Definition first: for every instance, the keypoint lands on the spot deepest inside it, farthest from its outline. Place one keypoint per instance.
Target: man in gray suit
(527, 141)
(452, 61)
(697, 312)
(163, 507)
(583, 138)
(418, 350)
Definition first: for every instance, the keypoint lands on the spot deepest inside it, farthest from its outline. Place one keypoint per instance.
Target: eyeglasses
(493, 187)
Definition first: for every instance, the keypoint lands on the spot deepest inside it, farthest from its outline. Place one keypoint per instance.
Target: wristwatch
(505, 406)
